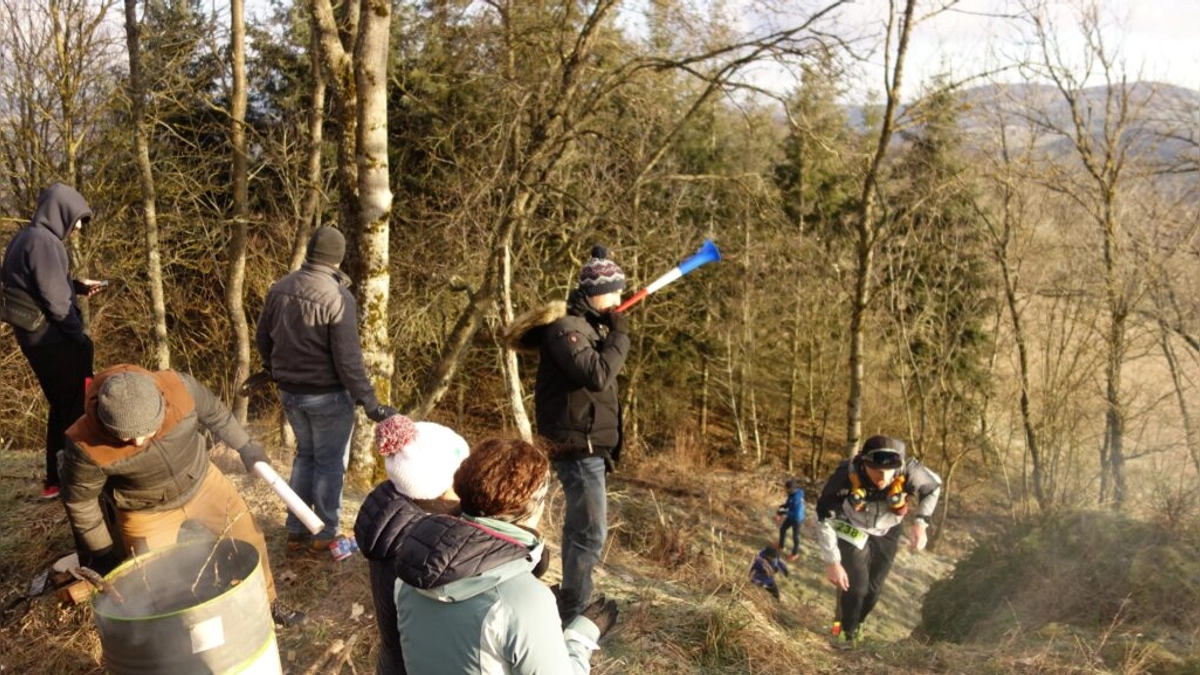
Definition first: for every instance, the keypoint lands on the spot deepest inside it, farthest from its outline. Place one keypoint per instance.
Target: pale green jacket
(500, 621)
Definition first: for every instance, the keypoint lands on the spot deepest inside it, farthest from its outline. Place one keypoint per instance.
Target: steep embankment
(678, 559)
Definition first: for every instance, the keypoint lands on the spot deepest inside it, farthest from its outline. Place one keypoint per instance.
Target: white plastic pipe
(289, 497)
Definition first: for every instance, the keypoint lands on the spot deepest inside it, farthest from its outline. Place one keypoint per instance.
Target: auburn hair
(500, 477)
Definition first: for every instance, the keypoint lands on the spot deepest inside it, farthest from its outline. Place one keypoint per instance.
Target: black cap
(883, 452)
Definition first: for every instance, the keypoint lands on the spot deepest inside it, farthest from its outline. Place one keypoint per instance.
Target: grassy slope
(681, 542)
(680, 546)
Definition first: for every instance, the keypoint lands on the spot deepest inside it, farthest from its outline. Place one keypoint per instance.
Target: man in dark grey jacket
(60, 352)
(307, 337)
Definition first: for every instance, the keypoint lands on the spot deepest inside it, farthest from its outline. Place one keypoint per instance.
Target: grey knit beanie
(326, 246)
(130, 405)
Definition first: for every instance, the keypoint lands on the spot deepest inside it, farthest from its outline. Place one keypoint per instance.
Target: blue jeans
(585, 525)
(323, 424)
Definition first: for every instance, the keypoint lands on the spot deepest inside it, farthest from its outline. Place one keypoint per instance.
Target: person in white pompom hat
(420, 458)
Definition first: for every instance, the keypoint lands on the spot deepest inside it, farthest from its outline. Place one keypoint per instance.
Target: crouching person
(421, 458)
(469, 599)
(141, 440)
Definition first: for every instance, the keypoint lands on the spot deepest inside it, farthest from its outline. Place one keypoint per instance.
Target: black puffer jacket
(36, 262)
(578, 407)
(440, 549)
(383, 521)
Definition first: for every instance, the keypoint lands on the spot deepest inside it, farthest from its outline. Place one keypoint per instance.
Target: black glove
(382, 413)
(251, 454)
(603, 613)
(259, 379)
(618, 322)
(105, 561)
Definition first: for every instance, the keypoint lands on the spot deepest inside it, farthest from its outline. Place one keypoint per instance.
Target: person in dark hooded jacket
(420, 458)
(59, 352)
(582, 346)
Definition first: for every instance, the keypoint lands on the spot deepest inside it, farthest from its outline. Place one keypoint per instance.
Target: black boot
(284, 616)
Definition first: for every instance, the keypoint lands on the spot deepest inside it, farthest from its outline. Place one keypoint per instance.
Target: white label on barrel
(207, 635)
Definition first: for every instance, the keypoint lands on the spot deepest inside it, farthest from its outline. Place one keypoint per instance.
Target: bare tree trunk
(735, 403)
(310, 209)
(512, 373)
(235, 281)
(336, 47)
(1114, 417)
(141, 143)
(868, 230)
(793, 404)
(705, 380)
(375, 207)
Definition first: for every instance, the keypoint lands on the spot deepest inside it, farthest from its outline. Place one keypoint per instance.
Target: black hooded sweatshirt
(36, 262)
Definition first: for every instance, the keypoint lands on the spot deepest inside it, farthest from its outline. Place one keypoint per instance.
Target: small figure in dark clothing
(764, 568)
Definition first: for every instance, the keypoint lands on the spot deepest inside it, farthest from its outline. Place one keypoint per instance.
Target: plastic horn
(294, 504)
(707, 253)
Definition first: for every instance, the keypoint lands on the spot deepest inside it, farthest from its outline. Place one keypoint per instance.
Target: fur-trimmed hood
(524, 333)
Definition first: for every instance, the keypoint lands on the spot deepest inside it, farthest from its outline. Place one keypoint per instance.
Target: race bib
(849, 533)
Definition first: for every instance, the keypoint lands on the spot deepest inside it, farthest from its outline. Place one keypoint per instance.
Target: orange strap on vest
(897, 498)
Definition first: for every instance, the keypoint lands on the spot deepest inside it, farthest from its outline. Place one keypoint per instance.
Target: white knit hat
(423, 467)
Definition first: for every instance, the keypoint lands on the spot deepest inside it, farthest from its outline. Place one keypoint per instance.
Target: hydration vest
(896, 497)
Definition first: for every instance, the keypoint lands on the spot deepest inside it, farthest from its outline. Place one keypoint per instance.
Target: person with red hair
(469, 599)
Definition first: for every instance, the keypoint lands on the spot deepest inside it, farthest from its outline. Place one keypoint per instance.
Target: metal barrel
(199, 607)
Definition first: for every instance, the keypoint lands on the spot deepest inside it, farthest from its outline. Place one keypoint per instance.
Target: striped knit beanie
(600, 275)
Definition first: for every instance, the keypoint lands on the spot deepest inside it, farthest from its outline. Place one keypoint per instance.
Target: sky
(1157, 39)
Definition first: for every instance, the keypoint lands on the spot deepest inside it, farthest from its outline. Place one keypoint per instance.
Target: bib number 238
(850, 534)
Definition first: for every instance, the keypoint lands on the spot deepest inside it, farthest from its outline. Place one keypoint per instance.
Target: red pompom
(392, 434)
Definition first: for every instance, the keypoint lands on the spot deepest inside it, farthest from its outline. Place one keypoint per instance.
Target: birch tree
(354, 60)
(235, 281)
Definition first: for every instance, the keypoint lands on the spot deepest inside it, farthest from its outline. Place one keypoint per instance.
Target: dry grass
(683, 535)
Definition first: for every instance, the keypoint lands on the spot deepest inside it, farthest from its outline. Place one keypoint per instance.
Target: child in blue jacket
(792, 514)
(764, 568)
